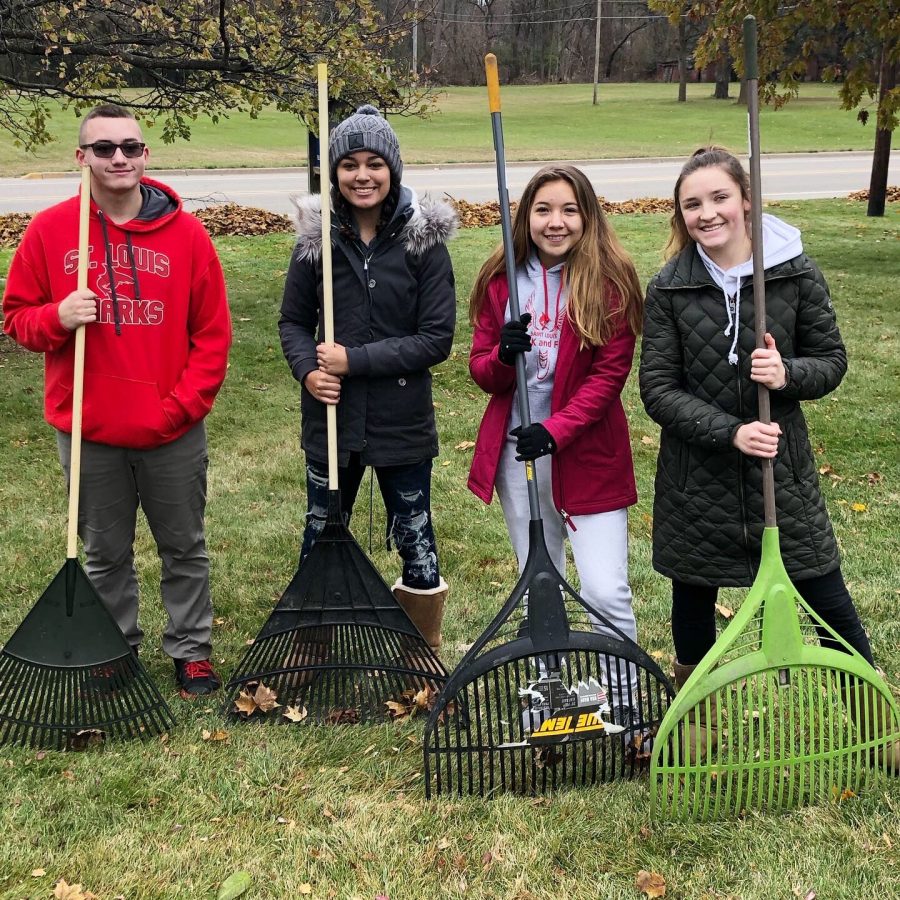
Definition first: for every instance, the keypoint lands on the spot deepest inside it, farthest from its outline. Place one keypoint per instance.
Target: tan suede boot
(879, 724)
(709, 730)
(425, 607)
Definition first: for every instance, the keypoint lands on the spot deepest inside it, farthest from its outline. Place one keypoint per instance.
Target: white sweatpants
(599, 543)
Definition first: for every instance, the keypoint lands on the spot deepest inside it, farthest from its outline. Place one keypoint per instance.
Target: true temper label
(570, 726)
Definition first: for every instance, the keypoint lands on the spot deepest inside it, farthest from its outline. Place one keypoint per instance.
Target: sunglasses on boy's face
(107, 149)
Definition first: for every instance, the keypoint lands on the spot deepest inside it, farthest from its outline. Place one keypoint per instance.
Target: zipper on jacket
(741, 493)
(568, 519)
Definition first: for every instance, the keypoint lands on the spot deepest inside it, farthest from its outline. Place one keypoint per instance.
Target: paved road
(788, 176)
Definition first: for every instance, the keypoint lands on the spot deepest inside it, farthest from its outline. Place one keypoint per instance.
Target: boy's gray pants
(169, 483)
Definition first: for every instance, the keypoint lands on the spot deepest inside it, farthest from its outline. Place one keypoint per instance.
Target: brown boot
(425, 607)
(709, 729)
(877, 724)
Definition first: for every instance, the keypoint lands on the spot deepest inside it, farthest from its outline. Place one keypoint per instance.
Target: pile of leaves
(230, 218)
(12, 227)
(892, 196)
(476, 215)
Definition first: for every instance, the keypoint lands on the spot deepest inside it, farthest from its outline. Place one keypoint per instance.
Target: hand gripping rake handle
(493, 86)
(327, 290)
(751, 73)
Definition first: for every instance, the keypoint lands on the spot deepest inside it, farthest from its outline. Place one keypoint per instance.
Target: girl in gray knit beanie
(394, 317)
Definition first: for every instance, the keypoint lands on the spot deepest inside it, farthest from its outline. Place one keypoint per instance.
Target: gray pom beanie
(366, 129)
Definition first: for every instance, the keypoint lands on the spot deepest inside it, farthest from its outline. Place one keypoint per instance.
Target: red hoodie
(159, 285)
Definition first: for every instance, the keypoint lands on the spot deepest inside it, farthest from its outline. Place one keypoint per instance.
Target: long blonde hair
(702, 158)
(595, 264)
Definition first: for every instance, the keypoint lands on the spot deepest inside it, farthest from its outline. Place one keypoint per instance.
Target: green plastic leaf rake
(794, 722)
(797, 722)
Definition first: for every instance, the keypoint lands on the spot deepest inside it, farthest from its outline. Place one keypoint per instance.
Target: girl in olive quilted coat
(698, 376)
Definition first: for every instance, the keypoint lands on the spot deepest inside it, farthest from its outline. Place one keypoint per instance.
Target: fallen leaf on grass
(218, 735)
(841, 795)
(85, 739)
(295, 713)
(646, 439)
(650, 883)
(724, 611)
(342, 716)
(234, 885)
(305, 888)
(38, 873)
(64, 891)
(464, 445)
(858, 507)
(263, 699)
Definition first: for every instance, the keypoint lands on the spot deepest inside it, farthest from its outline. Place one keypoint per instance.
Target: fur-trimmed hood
(430, 222)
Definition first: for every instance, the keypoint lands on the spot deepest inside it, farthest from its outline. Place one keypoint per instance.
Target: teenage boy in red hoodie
(156, 348)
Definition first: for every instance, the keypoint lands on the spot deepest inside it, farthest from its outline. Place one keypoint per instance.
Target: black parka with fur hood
(708, 506)
(394, 311)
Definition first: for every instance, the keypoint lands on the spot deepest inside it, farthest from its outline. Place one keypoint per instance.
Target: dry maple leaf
(244, 703)
(724, 611)
(650, 883)
(347, 715)
(295, 713)
(217, 735)
(265, 698)
(464, 445)
(397, 709)
(64, 891)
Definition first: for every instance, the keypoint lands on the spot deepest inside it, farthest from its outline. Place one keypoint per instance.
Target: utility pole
(415, 39)
(597, 53)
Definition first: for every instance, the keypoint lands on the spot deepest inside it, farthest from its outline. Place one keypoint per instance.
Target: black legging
(694, 616)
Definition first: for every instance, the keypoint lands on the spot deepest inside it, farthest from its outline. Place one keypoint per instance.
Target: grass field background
(540, 122)
(340, 812)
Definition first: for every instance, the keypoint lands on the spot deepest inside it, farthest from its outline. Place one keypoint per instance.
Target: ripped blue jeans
(406, 491)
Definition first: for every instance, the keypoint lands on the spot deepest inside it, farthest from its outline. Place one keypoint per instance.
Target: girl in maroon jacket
(579, 292)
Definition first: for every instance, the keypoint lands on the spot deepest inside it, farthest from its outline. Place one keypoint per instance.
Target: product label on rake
(568, 726)
(556, 713)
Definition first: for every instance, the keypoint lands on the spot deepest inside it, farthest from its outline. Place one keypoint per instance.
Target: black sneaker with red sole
(195, 678)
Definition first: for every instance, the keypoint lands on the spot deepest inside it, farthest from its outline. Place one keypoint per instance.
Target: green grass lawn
(540, 122)
(340, 811)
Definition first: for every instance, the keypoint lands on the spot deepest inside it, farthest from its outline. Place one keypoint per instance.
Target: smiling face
(120, 174)
(715, 215)
(364, 180)
(554, 222)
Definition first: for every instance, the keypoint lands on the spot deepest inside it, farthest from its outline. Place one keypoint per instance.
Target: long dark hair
(702, 158)
(595, 264)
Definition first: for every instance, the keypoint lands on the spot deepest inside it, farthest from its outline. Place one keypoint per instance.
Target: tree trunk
(682, 61)
(882, 156)
(723, 74)
(742, 95)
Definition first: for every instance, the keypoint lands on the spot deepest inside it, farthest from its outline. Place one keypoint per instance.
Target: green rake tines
(797, 722)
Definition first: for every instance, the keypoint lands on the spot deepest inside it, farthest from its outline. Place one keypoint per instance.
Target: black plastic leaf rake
(338, 647)
(542, 700)
(67, 674)
(796, 722)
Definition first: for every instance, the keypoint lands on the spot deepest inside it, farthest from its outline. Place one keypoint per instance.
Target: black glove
(514, 339)
(533, 441)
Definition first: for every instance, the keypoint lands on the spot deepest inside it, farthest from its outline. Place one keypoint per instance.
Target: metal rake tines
(786, 737)
(42, 706)
(498, 732)
(331, 674)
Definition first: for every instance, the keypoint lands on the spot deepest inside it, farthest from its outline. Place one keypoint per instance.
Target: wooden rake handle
(327, 287)
(751, 74)
(84, 218)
